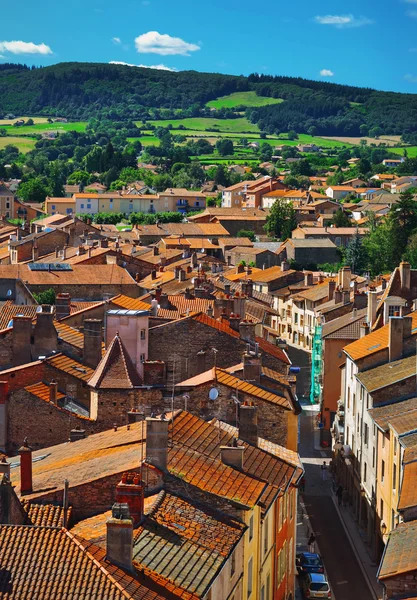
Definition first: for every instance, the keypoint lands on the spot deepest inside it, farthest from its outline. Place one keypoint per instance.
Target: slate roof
(116, 369)
(346, 327)
(400, 556)
(388, 374)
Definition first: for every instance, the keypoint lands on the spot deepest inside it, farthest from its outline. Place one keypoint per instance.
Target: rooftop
(115, 370)
(388, 374)
(400, 556)
(382, 415)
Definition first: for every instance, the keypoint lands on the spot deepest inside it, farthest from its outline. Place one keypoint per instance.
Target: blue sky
(359, 42)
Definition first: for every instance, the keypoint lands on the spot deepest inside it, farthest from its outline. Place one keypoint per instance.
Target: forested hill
(82, 90)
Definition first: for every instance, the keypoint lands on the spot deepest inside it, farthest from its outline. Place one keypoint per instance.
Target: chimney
(405, 276)
(154, 307)
(21, 340)
(337, 296)
(239, 268)
(4, 468)
(247, 331)
(344, 278)
(232, 456)
(89, 251)
(77, 434)
(64, 253)
(395, 338)
(119, 543)
(56, 252)
(153, 274)
(35, 252)
(194, 261)
(346, 297)
(4, 390)
(383, 284)
(308, 278)
(181, 275)
(332, 287)
(104, 243)
(248, 423)
(227, 289)
(134, 416)
(364, 329)
(164, 301)
(157, 442)
(210, 311)
(44, 333)
(130, 491)
(285, 265)
(252, 365)
(158, 293)
(53, 391)
(234, 321)
(247, 288)
(372, 306)
(155, 251)
(93, 338)
(62, 306)
(177, 272)
(25, 468)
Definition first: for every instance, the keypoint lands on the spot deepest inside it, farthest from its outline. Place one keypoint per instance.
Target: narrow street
(344, 572)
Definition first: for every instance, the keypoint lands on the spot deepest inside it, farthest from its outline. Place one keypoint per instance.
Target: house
(309, 252)
(7, 202)
(249, 193)
(259, 257)
(355, 183)
(391, 163)
(274, 278)
(308, 148)
(398, 569)
(182, 200)
(340, 236)
(339, 192)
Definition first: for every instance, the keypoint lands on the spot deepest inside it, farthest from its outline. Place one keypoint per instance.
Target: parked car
(308, 562)
(315, 585)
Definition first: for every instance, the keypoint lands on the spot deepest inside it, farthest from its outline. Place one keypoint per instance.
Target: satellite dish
(213, 393)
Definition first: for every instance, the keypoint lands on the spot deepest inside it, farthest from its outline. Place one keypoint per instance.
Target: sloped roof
(400, 556)
(115, 370)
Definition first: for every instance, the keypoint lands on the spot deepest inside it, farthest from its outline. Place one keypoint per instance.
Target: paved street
(345, 575)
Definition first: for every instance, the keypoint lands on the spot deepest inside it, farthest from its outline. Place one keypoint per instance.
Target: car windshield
(319, 587)
(313, 561)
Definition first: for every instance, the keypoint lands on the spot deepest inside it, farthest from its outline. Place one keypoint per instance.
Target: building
(391, 163)
(308, 253)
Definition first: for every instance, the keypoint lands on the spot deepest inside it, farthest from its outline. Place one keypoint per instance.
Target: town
(208, 347)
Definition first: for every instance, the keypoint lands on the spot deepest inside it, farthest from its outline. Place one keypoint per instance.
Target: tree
(35, 190)
(341, 219)
(292, 135)
(162, 182)
(356, 255)
(30, 122)
(221, 176)
(247, 233)
(281, 220)
(224, 147)
(46, 297)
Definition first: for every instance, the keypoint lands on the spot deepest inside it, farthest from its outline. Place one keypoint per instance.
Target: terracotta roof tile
(79, 275)
(46, 515)
(408, 496)
(71, 366)
(41, 390)
(115, 370)
(388, 374)
(382, 415)
(400, 556)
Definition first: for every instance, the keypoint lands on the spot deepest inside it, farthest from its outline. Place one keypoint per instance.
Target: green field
(42, 127)
(22, 143)
(146, 140)
(240, 125)
(34, 119)
(242, 99)
(411, 151)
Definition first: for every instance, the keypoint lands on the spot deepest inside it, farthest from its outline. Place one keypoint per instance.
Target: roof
(311, 243)
(235, 241)
(45, 515)
(382, 415)
(69, 365)
(115, 370)
(408, 495)
(50, 564)
(41, 390)
(374, 341)
(388, 374)
(78, 275)
(315, 293)
(271, 274)
(225, 378)
(400, 556)
(325, 231)
(346, 327)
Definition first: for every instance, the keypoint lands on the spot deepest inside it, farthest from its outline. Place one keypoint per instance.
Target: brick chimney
(35, 252)
(285, 266)
(252, 365)
(232, 456)
(345, 275)
(4, 390)
(337, 296)
(21, 340)
(332, 287)
(248, 423)
(372, 306)
(104, 243)
(130, 491)
(153, 274)
(308, 278)
(164, 301)
(364, 329)
(234, 321)
(396, 337)
(25, 468)
(53, 391)
(119, 543)
(62, 306)
(45, 334)
(194, 260)
(247, 288)
(181, 275)
(93, 338)
(157, 442)
(247, 331)
(239, 268)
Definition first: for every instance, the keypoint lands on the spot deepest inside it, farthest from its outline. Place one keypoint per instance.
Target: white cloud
(19, 47)
(411, 78)
(326, 73)
(157, 67)
(163, 44)
(116, 40)
(343, 21)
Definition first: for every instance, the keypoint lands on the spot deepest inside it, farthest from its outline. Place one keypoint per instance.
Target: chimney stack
(372, 306)
(130, 491)
(247, 288)
(164, 301)
(53, 391)
(332, 287)
(157, 442)
(35, 252)
(252, 365)
(308, 278)
(4, 390)
(119, 543)
(395, 338)
(239, 268)
(247, 332)
(232, 456)
(248, 423)
(234, 321)
(337, 296)
(364, 329)
(25, 468)
(21, 340)
(45, 334)
(62, 306)
(405, 276)
(93, 338)
(344, 278)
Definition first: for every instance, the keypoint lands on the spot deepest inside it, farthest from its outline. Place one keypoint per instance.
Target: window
(383, 440)
(7, 204)
(142, 358)
(366, 434)
(263, 592)
(348, 398)
(69, 211)
(347, 436)
(373, 458)
(268, 585)
(81, 205)
(382, 470)
(392, 310)
(251, 528)
(233, 564)
(381, 509)
(250, 577)
(53, 206)
(197, 203)
(395, 446)
(88, 206)
(143, 334)
(394, 477)
(266, 535)
(295, 318)
(284, 508)
(280, 515)
(364, 471)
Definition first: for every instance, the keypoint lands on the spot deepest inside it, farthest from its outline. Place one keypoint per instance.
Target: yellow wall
(251, 551)
(60, 207)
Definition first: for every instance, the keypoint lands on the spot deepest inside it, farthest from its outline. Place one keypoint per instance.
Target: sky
(370, 43)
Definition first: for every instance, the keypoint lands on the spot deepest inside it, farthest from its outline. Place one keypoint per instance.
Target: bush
(247, 233)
